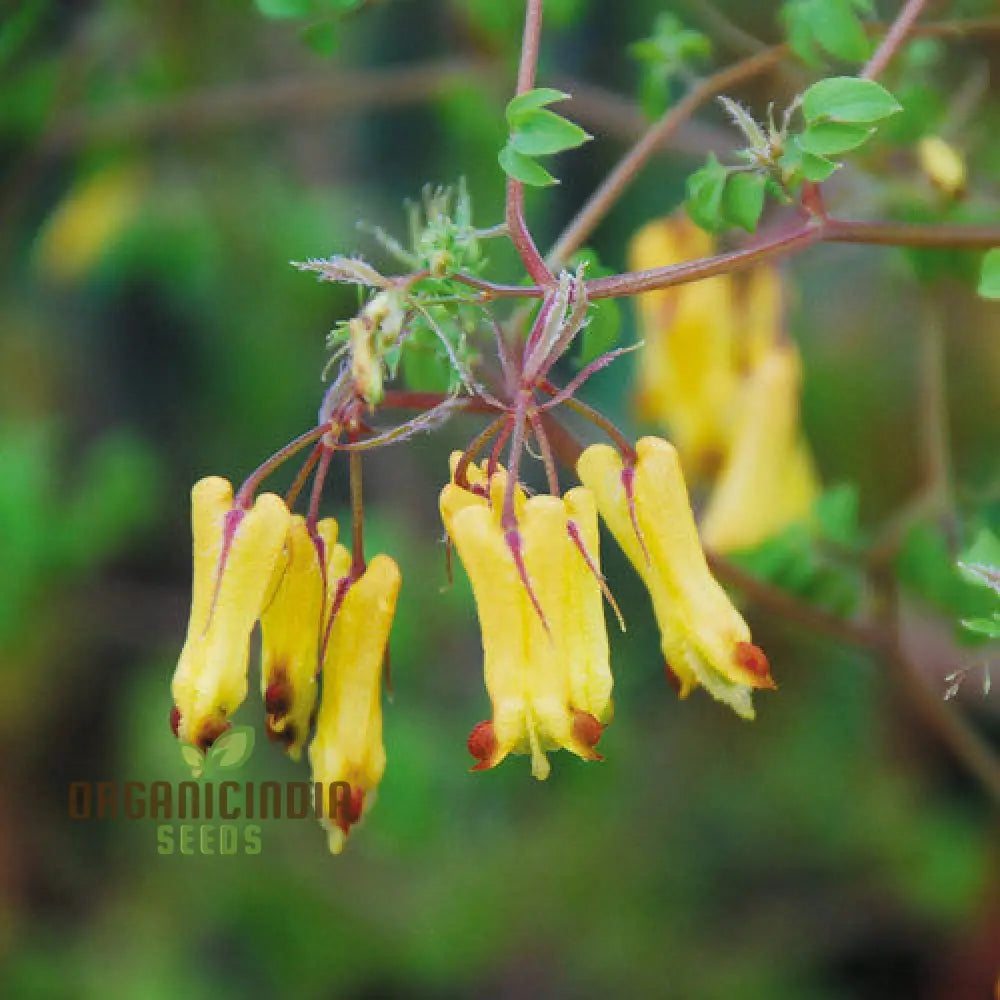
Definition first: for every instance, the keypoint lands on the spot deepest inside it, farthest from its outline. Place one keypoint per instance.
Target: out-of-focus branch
(318, 95)
(893, 39)
(628, 168)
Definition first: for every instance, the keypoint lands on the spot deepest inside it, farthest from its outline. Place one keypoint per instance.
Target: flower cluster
(717, 372)
(319, 614)
(533, 559)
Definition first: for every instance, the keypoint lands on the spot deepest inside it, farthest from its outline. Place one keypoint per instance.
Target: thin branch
(627, 169)
(904, 234)
(893, 39)
(516, 226)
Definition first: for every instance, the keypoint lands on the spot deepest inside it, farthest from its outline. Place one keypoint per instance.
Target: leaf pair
(720, 196)
(535, 131)
(841, 113)
(230, 751)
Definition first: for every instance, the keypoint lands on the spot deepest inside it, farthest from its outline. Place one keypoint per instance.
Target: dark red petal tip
(753, 660)
(175, 719)
(210, 731)
(482, 744)
(588, 731)
(672, 679)
(278, 698)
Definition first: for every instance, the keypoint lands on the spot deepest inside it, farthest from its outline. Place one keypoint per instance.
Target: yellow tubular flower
(290, 635)
(549, 683)
(704, 638)
(943, 165)
(235, 553)
(348, 746)
(768, 481)
(686, 370)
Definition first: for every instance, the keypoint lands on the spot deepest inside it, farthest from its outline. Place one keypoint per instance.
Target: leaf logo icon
(194, 759)
(232, 749)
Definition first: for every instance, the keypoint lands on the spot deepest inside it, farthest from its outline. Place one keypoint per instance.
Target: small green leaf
(989, 275)
(836, 514)
(524, 169)
(848, 99)
(743, 200)
(233, 747)
(705, 188)
(322, 37)
(817, 168)
(284, 9)
(532, 101)
(827, 138)
(837, 28)
(542, 133)
(990, 627)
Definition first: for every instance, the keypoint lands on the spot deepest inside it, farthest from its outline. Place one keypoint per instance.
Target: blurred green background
(161, 164)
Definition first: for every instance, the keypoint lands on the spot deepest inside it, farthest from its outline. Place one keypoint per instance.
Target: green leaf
(826, 138)
(532, 101)
(194, 758)
(542, 133)
(989, 275)
(848, 99)
(836, 514)
(743, 200)
(837, 28)
(284, 9)
(705, 188)
(322, 38)
(817, 168)
(524, 169)
(990, 627)
(232, 748)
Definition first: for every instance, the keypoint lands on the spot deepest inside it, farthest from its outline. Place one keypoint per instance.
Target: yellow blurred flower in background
(88, 221)
(717, 374)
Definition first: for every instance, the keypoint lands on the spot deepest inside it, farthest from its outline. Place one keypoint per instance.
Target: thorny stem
(357, 516)
(302, 476)
(249, 487)
(551, 474)
(893, 39)
(312, 518)
(597, 418)
(516, 226)
(829, 230)
(475, 448)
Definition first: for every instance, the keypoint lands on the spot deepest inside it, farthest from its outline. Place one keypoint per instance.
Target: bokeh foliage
(152, 332)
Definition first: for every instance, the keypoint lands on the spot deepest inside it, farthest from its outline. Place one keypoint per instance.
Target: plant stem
(627, 169)
(516, 226)
(893, 39)
(357, 516)
(281, 456)
(678, 274)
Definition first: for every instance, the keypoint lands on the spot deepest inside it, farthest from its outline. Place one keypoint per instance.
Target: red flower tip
(210, 731)
(482, 744)
(588, 731)
(672, 679)
(753, 660)
(351, 811)
(286, 736)
(175, 719)
(278, 697)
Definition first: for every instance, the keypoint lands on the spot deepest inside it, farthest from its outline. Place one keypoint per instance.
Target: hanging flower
(686, 371)
(768, 480)
(546, 660)
(347, 747)
(704, 638)
(291, 626)
(235, 554)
